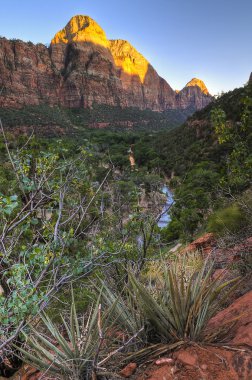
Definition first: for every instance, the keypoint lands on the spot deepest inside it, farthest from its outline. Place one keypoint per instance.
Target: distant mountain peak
(198, 82)
(194, 94)
(80, 29)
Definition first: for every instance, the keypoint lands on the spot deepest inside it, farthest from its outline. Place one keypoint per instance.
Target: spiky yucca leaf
(183, 304)
(70, 358)
(126, 312)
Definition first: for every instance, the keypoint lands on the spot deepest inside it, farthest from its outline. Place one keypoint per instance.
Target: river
(166, 218)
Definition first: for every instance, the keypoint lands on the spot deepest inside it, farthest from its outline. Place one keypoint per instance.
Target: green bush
(230, 219)
(82, 298)
(172, 231)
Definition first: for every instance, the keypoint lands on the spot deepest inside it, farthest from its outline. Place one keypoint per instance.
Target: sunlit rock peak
(81, 29)
(198, 82)
(85, 29)
(128, 58)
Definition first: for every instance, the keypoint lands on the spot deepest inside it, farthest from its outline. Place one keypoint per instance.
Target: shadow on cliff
(89, 74)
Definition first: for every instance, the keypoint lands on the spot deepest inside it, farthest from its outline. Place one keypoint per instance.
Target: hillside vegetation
(45, 119)
(89, 282)
(208, 159)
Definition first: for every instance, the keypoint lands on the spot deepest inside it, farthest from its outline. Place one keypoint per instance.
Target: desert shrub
(229, 219)
(245, 264)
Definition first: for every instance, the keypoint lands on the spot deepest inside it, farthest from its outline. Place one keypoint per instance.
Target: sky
(182, 39)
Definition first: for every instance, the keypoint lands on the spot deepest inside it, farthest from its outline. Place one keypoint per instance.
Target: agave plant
(70, 355)
(181, 305)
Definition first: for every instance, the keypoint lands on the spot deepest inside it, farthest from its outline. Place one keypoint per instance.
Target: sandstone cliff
(194, 94)
(82, 67)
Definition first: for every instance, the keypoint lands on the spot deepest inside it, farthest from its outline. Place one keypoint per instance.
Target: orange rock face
(81, 29)
(240, 310)
(82, 67)
(204, 243)
(199, 83)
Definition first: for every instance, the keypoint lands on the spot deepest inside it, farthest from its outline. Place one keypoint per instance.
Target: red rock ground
(233, 361)
(208, 245)
(203, 363)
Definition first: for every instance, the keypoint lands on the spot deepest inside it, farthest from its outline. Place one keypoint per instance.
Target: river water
(166, 218)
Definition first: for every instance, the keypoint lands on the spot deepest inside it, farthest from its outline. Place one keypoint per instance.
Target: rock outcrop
(27, 75)
(82, 67)
(239, 311)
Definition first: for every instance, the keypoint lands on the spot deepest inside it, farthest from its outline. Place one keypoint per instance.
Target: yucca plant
(180, 306)
(127, 315)
(73, 354)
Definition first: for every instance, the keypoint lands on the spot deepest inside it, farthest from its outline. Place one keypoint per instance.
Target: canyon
(81, 67)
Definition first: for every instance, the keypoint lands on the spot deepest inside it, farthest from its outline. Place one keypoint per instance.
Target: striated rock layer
(82, 67)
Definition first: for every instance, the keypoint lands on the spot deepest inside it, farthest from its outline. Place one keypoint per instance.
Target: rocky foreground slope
(231, 359)
(82, 67)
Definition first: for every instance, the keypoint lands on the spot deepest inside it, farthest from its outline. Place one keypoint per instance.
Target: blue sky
(182, 39)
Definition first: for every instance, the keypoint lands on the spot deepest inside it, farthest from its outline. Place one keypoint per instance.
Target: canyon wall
(82, 67)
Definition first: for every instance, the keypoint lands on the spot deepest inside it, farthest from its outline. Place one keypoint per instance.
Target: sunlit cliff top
(198, 82)
(128, 58)
(80, 29)
(85, 29)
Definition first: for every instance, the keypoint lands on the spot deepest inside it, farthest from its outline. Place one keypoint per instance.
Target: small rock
(203, 367)
(164, 361)
(174, 249)
(187, 358)
(205, 244)
(129, 370)
(174, 370)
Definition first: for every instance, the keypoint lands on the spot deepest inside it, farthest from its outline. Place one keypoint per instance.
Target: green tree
(236, 135)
